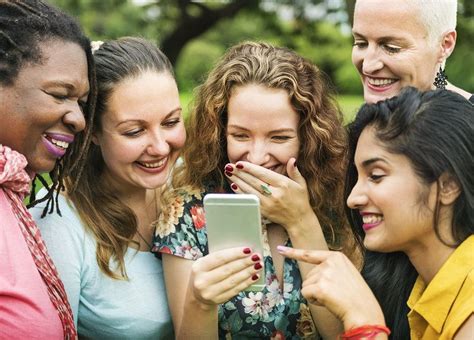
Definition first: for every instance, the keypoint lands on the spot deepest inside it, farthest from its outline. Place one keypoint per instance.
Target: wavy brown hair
(322, 151)
(112, 223)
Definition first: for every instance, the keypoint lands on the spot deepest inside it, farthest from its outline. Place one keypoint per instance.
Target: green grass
(349, 104)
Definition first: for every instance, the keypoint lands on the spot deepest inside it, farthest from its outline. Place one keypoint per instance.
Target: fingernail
(229, 168)
(228, 174)
(255, 277)
(282, 249)
(257, 266)
(234, 186)
(255, 258)
(239, 166)
(247, 250)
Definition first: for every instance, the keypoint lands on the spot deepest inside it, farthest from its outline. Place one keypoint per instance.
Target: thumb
(294, 173)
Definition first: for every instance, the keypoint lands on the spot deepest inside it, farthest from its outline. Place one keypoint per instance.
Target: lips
(371, 220)
(379, 84)
(57, 143)
(152, 166)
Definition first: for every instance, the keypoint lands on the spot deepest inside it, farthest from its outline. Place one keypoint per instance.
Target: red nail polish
(234, 186)
(255, 258)
(239, 166)
(255, 277)
(228, 174)
(247, 250)
(229, 168)
(257, 266)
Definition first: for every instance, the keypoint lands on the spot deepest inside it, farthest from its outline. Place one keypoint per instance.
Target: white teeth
(153, 165)
(59, 143)
(370, 219)
(380, 82)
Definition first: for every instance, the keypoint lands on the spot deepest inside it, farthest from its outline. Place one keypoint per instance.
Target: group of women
(363, 228)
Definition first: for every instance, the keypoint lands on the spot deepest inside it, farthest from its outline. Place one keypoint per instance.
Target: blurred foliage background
(194, 33)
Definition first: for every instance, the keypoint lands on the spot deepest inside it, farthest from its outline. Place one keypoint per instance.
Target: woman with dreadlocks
(47, 94)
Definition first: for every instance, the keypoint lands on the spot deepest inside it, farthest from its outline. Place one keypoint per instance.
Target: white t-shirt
(103, 307)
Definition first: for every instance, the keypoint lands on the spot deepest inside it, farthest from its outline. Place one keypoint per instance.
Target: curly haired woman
(265, 123)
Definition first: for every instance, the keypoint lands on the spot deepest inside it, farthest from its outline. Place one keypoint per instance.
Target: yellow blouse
(440, 309)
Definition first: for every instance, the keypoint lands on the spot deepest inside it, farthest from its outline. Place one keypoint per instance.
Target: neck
(429, 254)
(429, 260)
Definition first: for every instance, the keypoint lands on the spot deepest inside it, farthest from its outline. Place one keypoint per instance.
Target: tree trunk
(191, 27)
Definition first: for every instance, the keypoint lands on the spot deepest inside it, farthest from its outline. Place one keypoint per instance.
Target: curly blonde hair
(322, 152)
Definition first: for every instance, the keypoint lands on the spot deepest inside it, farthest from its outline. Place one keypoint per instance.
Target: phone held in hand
(233, 220)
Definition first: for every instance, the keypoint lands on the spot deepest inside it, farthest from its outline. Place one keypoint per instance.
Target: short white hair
(437, 16)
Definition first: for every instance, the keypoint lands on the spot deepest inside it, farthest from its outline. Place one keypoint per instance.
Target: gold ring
(266, 190)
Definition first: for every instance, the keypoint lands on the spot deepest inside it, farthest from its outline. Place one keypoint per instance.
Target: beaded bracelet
(364, 332)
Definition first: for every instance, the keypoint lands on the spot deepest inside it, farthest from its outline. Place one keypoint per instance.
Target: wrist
(377, 331)
(203, 306)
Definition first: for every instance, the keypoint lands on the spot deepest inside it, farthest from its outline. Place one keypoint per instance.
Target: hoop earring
(441, 79)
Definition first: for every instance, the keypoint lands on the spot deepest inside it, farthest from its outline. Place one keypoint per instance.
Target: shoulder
(55, 227)
(178, 204)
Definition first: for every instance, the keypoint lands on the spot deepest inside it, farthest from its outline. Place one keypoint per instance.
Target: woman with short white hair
(405, 43)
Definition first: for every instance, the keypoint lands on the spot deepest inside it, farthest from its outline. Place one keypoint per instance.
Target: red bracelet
(364, 332)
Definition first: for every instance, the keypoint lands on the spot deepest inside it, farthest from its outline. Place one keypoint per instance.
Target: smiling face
(396, 207)
(391, 49)
(142, 131)
(41, 111)
(262, 127)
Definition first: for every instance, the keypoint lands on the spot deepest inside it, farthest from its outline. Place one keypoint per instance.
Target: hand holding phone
(234, 221)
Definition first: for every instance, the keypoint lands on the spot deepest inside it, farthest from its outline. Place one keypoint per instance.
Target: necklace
(148, 243)
(144, 239)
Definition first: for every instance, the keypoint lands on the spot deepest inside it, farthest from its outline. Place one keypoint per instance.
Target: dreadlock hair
(24, 26)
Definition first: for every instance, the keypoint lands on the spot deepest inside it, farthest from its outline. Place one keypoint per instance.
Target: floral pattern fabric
(272, 313)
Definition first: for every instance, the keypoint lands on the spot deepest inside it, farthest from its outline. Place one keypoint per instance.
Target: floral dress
(269, 314)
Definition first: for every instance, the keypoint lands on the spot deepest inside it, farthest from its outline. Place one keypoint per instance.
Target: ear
(449, 189)
(94, 138)
(448, 42)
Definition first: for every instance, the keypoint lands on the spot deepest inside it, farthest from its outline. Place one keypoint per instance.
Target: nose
(357, 198)
(258, 153)
(157, 145)
(74, 118)
(372, 61)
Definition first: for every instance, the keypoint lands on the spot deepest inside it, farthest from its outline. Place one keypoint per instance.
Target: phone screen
(233, 220)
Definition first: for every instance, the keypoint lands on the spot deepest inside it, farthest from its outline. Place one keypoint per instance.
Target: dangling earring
(441, 79)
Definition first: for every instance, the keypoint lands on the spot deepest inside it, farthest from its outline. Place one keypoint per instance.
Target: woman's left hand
(283, 200)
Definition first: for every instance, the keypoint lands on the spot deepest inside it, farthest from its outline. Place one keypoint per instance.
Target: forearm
(307, 234)
(199, 321)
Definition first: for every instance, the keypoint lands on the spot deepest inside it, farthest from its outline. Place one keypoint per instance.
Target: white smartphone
(233, 220)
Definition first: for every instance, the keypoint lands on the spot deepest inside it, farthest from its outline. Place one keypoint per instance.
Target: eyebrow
(273, 131)
(67, 85)
(381, 39)
(371, 161)
(172, 112)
